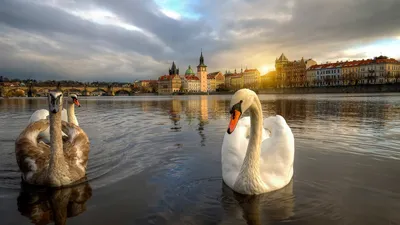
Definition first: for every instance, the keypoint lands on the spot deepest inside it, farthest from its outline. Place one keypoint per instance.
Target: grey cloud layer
(47, 42)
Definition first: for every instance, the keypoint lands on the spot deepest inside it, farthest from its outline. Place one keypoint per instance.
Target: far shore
(370, 88)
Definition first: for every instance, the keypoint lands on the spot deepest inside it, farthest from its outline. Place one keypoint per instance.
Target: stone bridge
(85, 91)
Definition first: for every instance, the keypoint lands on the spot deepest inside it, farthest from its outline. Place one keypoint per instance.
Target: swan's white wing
(39, 115)
(44, 114)
(234, 147)
(277, 153)
(64, 115)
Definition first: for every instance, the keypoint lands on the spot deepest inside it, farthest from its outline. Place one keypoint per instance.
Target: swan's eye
(236, 107)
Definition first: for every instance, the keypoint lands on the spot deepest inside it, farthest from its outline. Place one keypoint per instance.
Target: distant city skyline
(97, 40)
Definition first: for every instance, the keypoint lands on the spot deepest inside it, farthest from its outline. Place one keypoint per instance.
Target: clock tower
(202, 73)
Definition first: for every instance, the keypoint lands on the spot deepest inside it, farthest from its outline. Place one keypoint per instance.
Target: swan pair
(254, 159)
(60, 162)
(68, 116)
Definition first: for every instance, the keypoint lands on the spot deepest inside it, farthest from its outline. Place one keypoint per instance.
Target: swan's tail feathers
(77, 146)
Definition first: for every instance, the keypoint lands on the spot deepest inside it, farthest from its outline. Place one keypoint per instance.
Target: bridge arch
(73, 91)
(85, 92)
(98, 91)
(122, 92)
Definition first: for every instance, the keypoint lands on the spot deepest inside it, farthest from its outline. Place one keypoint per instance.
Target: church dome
(189, 71)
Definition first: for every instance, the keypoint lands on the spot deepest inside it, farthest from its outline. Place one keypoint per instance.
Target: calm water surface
(156, 160)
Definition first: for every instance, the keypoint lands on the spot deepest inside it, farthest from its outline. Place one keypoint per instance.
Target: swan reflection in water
(47, 205)
(267, 208)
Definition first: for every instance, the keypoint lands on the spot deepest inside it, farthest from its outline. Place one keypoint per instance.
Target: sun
(264, 70)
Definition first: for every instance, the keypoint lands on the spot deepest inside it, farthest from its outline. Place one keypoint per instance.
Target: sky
(125, 40)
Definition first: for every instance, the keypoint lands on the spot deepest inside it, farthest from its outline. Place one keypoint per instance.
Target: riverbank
(370, 88)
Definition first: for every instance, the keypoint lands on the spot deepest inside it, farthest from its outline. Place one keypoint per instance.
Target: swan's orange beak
(76, 102)
(234, 120)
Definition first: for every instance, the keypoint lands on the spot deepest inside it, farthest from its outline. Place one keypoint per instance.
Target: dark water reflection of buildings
(200, 110)
(210, 108)
(197, 110)
(16, 104)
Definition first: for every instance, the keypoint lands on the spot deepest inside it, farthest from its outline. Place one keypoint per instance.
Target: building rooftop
(191, 77)
(167, 77)
(250, 70)
(376, 60)
(212, 75)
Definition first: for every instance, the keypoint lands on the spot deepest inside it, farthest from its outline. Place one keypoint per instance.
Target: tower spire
(201, 58)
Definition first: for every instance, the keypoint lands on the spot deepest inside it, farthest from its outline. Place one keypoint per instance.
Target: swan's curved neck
(57, 160)
(249, 177)
(71, 114)
(252, 159)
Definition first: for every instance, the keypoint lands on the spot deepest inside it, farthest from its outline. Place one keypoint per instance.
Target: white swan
(256, 160)
(67, 115)
(62, 162)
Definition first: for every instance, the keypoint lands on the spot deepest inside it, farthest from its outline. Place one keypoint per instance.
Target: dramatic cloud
(138, 39)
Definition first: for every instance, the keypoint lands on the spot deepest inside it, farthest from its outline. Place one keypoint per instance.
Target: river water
(157, 160)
